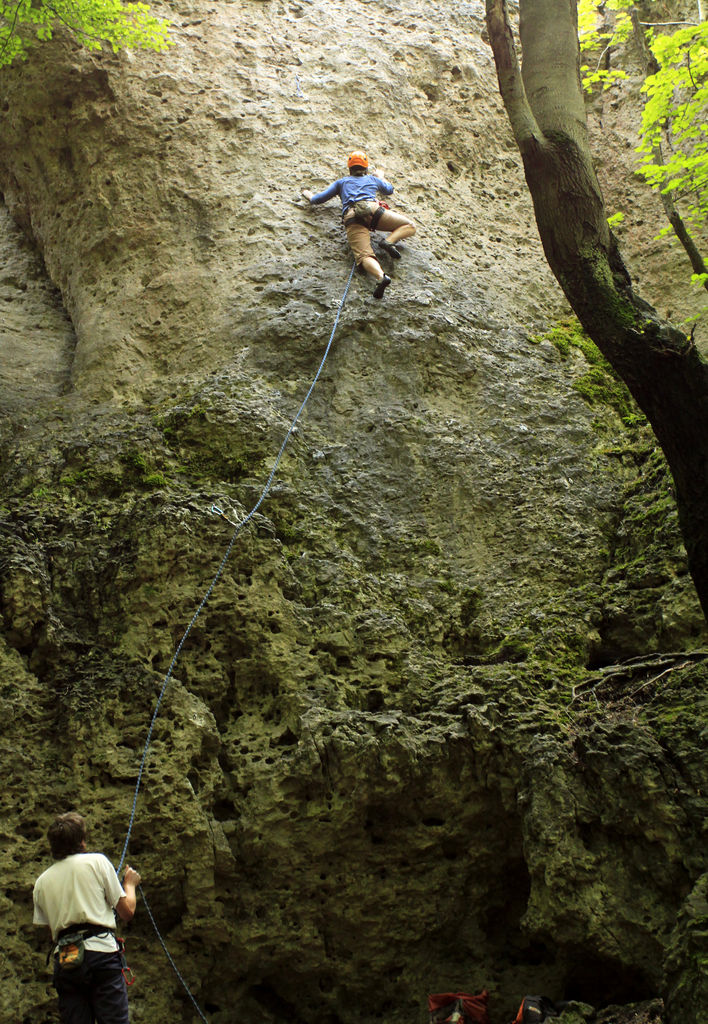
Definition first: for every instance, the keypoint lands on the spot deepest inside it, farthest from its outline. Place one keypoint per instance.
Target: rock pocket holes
(286, 739)
(225, 810)
(375, 832)
(375, 700)
(431, 90)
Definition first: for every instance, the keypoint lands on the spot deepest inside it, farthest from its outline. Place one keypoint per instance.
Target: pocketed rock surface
(440, 723)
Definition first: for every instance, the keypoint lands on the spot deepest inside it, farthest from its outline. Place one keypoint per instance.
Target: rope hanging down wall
(238, 527)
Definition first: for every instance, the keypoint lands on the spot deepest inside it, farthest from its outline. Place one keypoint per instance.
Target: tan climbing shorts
(360, 237)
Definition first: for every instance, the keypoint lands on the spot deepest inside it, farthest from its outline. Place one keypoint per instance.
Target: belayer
(362, 213)
(76, 898)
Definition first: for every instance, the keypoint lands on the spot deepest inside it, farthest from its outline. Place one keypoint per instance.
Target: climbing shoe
(390, 249)
(382, 286)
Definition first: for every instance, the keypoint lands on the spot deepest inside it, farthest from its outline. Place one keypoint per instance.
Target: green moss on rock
(600, 386)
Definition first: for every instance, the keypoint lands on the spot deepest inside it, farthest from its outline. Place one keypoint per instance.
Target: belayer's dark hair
(357, 172)
(66, 834)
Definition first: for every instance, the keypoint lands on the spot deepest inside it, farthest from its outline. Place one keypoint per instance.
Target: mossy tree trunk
(659, 364)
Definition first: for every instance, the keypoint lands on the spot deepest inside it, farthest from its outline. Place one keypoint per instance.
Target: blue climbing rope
(210, 588)
(167, 953)
(219, 571)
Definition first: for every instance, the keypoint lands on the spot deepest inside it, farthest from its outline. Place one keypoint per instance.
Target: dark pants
(94, 993)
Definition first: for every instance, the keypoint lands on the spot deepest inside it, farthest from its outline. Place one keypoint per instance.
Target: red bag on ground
(459, 1008)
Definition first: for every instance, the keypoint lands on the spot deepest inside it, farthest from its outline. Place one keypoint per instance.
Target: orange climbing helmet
(357, 159)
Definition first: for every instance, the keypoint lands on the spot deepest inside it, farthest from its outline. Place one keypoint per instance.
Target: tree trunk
(660, 365)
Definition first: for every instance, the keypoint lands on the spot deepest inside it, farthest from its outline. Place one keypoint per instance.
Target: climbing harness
(365, 215)
(237, 529)
(69, 948)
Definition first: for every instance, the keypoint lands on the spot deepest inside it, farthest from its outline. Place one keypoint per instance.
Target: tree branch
(526, 131)
(614, 676)
(666, 24)
(602, 56)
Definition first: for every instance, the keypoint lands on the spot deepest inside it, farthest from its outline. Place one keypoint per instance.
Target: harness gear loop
(127, 972)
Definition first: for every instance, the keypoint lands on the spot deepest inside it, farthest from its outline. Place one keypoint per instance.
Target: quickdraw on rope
(237, 529)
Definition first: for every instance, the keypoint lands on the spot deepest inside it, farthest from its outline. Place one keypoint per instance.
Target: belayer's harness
(70, 947)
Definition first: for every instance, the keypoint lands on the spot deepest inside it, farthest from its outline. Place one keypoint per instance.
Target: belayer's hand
(307, 194)
(131, 877)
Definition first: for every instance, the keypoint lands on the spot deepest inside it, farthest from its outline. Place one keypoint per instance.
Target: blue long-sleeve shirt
(351, 189)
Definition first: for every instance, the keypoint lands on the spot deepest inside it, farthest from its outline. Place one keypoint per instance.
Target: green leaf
(93, 22)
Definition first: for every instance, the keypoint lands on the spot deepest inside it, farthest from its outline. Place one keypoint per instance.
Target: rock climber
(362, 214)
(77, 896)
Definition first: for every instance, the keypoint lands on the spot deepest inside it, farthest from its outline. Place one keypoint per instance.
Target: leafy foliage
(603, 38)
(673, 139)
(93, 22)
(676, 113)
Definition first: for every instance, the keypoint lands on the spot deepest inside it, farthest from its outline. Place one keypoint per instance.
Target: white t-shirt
(80, 889)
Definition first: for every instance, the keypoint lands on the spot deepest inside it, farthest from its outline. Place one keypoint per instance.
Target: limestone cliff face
(394, 756)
